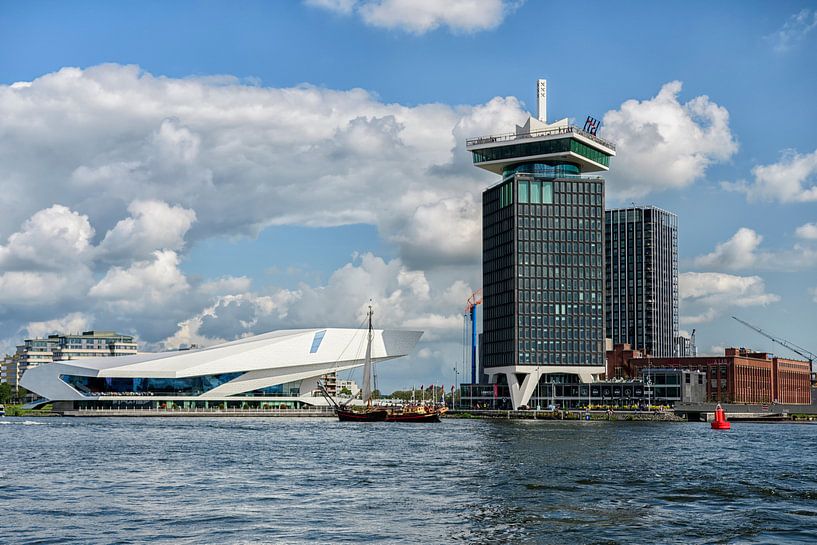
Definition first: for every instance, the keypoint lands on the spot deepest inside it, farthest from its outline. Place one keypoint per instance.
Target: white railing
(508, 137)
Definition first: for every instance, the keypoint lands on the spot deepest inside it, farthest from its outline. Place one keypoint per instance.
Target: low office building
(671, 386)
(655, 387)
(742, 376)
(272, 370)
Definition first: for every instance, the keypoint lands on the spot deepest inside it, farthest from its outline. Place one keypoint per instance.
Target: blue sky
(269, 193)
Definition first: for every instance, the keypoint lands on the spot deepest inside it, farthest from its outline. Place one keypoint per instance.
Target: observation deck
(564, 143)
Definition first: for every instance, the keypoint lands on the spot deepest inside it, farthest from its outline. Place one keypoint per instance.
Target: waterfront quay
(579, 415)
(312, 412)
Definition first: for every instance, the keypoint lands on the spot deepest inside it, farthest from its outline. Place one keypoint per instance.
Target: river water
(218, 480)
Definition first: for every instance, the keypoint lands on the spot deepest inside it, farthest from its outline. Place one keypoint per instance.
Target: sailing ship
(376, 413)
(368, 413)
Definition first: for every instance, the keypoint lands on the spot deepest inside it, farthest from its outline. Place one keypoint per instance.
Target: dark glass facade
(543, 259)
(541, 147)
(189, 386)
(642, 278)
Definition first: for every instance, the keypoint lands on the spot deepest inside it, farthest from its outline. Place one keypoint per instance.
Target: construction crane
(471, 310)
(799, 350)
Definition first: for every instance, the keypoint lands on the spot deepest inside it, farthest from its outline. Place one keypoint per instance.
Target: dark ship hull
(371, 415)
(413, 417)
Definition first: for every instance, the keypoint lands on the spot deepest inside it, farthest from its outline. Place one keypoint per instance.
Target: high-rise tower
(641, 244)
(543, 253)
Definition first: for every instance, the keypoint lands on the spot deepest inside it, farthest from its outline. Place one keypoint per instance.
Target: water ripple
(319, 481)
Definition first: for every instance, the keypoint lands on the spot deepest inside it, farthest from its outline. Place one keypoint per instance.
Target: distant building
(88, 344)
(350, 385)
(55, 348)
(670, 386)
(741, 376)
(279, 369)
(619, 361)
(653, 387)
(685, 347)
(641, 248)
(10, 371)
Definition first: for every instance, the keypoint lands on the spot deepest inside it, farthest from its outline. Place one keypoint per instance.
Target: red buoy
(720, 422)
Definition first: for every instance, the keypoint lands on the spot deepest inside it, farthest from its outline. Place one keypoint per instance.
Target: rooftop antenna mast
(542, 100)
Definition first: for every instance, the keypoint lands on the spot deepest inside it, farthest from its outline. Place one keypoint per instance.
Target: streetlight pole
(456, 385)
(552, 393)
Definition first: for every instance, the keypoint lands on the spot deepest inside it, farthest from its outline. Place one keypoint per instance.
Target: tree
(345, 391)
(5, 392)
(21, 393)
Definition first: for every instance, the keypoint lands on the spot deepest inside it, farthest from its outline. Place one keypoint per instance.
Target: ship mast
(367, 365)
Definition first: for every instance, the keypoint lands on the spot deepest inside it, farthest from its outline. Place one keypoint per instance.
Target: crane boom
(799, 350)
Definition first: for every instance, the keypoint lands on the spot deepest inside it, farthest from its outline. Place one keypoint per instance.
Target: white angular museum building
(276, 369)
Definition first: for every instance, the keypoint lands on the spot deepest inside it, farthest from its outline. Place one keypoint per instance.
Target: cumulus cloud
(76, 322)
(143, 167)
(44, 258)
(742, 251)
(663, 143)
(241, 157)
(421, 16)
(153, 225)
(53, 238)
(792, 179)
(401, 297)
(807, 231)
(226, 285)
(150, 282)
(736, 253)
(707, 295)
(794, 30)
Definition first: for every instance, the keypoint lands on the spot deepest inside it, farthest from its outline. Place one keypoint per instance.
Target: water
(169, 480)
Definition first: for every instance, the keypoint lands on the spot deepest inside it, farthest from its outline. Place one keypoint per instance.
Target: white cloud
(242, 157)
(153, 225)
(813, 292)
(402, 298)
(33, 288)
(795, 29)
(194, 158)
(792, 179)
(421, 16)
(51, 239)
(807, 231)
(742, 251)
(45, 262)
(662, 143)
(150, 282)
(705, 296)
(736, 253)
(226, 285)
(76, 322)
